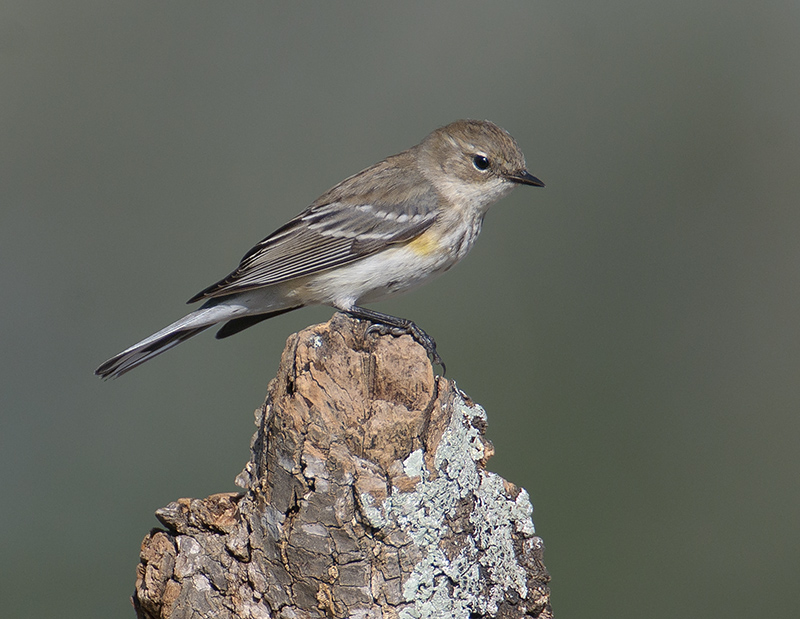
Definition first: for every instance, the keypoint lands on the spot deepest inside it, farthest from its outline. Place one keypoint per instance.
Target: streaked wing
(324, 236)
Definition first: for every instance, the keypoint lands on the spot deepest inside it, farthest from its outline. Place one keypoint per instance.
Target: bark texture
(366, 496)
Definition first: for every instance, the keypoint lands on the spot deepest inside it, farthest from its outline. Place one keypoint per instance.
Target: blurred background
(632, 329)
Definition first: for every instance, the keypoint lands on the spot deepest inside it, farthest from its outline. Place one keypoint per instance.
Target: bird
(378, 233)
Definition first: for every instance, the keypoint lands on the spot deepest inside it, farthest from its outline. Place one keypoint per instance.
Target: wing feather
(327, 235)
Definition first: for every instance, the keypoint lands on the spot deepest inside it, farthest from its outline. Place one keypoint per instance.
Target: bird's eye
(480, 162)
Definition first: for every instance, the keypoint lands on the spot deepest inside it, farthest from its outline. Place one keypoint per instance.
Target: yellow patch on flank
(425, 244)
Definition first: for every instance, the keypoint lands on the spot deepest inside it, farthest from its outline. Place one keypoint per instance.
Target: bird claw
(382, 329)
(420, 337)
(384, 324)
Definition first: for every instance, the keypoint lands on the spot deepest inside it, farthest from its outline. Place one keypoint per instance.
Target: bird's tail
(168, 337)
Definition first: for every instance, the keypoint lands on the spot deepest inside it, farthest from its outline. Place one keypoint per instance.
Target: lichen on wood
(366, 496)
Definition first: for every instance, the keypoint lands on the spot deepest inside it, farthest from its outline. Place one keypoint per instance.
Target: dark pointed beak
(525, 178)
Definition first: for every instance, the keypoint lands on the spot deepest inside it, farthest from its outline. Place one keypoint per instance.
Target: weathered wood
(366, 496)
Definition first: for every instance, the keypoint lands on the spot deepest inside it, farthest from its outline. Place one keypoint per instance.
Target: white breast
(392, 271)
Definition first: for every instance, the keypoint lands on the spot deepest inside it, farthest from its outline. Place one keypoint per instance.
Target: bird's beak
(524, 178)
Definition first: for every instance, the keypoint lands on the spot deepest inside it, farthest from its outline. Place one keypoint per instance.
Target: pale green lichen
(439, 587)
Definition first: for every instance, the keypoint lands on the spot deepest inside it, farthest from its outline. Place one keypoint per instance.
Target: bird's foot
(385, 324)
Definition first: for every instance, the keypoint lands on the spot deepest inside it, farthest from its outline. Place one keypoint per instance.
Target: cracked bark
(366, 496)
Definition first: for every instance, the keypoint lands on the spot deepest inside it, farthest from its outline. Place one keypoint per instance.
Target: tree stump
(366, 496)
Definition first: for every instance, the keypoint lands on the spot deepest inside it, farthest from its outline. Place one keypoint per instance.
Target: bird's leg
(386, 324)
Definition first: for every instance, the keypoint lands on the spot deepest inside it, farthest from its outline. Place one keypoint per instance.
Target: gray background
(632, 329)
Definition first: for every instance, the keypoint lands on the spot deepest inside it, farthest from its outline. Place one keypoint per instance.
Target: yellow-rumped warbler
(376, 234)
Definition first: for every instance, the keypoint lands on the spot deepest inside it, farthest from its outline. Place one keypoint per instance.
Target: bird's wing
(324, 236)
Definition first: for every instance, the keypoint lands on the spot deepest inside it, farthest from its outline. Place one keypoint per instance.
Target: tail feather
(240, 324)
(138, 354)
(167, 338)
